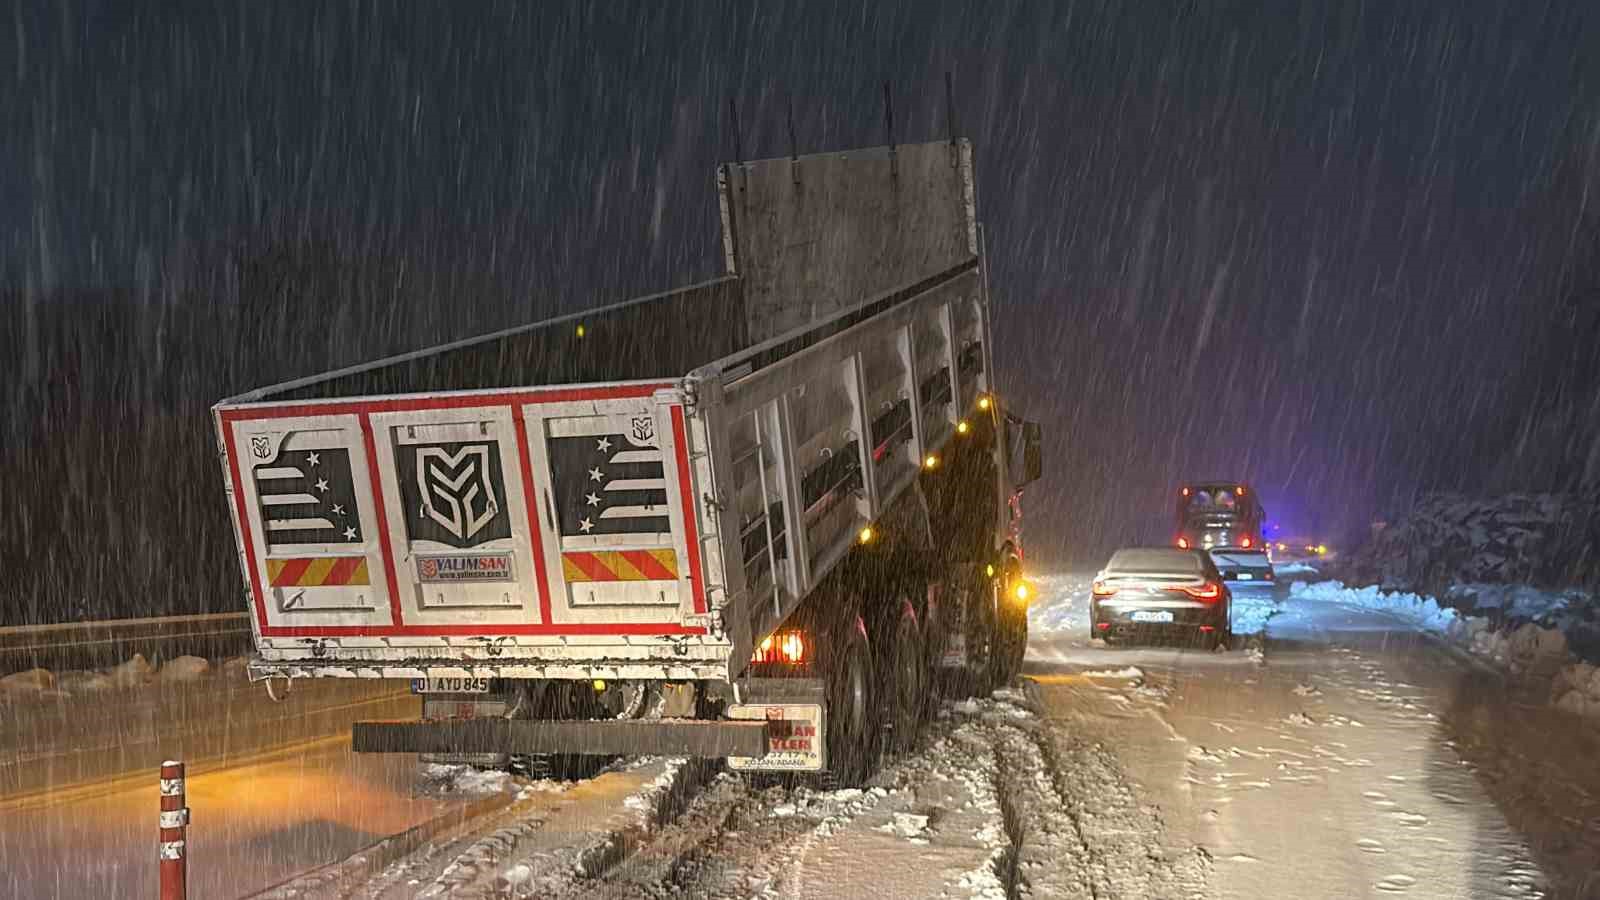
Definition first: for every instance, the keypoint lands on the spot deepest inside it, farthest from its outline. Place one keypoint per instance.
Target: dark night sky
(1305, 243)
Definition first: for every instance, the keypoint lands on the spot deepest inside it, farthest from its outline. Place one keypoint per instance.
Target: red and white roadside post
(174, 826)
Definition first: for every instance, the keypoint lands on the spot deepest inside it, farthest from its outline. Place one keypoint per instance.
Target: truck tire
(903, 675)
(977, 618)
(1010, 643)
(559, 700)
(935, 619)
(852, 740)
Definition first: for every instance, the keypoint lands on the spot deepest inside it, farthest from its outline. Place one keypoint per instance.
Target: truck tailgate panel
(546, 515)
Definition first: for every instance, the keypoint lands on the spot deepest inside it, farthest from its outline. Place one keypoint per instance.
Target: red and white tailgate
(545, 515)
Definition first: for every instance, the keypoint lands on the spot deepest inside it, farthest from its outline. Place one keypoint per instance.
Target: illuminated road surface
(253, 824)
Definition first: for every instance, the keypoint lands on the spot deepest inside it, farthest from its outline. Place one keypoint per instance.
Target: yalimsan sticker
(474, 567)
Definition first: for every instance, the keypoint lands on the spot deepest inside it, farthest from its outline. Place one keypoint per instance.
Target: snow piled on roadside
(1252, 608)
(462, 779)
(1423, 613)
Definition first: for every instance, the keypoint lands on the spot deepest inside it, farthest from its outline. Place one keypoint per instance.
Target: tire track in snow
(1118, 840)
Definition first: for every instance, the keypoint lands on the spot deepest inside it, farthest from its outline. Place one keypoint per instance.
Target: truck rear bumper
(666, 737)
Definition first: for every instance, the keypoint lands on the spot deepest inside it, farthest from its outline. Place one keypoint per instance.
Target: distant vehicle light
(1101, 589)
(1321, 549)
(989, 570)
(582, 331)
(984, 402)
(1245, 542)
(599, 686)
(1186, 492)
(962, 427)
(1183, 543)
(931, 462)
(1240, 489)
(866, 535)
(1022, 592)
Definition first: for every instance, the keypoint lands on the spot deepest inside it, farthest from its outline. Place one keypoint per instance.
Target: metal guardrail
(90, 645)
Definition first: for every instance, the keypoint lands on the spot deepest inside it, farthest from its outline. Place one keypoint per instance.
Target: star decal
(594, 499)
(349, 534)
(604, 444)
(586, 526)
(322, 485)
(596, 475)
(338, 510)
(313, 459)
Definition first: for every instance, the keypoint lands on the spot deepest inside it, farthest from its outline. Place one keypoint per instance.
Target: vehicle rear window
(1153, 561)
(1212, 499)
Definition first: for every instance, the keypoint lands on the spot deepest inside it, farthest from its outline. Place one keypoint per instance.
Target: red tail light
(1245, 542)
(1183, 543)
(1208, 591)
(788, 647)
(1101, 589)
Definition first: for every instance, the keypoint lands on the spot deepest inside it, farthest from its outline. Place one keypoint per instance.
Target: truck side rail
(812, 436)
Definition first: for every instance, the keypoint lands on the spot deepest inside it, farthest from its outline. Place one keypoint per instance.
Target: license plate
(449, 685)
(1246, 576)
(794, 741)
(1151, 616)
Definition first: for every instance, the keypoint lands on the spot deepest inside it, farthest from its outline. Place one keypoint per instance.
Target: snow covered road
(1326, 760)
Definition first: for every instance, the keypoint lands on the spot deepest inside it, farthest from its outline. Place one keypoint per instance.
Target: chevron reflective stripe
(318, 571)
(620, 565)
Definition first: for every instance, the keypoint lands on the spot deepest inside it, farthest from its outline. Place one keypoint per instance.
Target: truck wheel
(977, 617)
(851, 737)
(935, 621)
(560, 700)
(1010, 643)
(904, 676)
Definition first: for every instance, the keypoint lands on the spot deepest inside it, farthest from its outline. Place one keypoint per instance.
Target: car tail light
(1183, 543)
(788, 647)
(1101, 589)
(1208, 591)
(1245, 542)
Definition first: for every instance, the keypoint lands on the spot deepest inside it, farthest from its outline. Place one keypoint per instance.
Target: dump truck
(769, 518)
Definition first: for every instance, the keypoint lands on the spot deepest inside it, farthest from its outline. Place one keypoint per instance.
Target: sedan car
(1145, 591)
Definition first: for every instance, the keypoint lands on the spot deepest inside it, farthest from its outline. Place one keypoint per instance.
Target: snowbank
(463, 779)
(1421, 612)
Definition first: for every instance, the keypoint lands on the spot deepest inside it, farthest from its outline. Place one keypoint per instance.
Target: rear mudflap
(795, 713)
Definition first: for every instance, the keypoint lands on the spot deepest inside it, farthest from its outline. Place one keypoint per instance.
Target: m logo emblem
(644, 429)
(261, 447)
(454, 492)
(455, 488)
